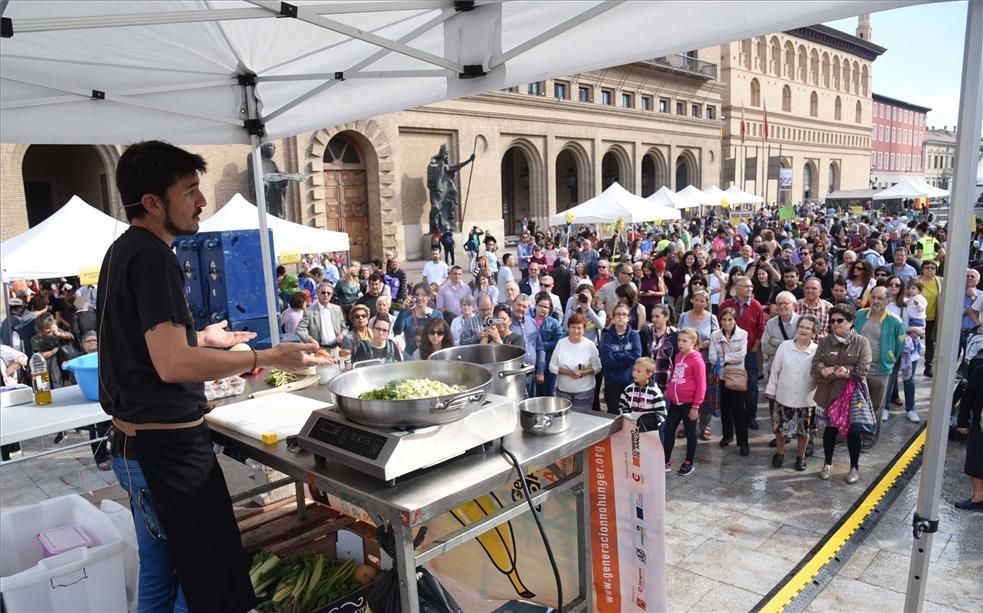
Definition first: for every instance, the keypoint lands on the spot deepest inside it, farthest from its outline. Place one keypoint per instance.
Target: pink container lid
(65, 538)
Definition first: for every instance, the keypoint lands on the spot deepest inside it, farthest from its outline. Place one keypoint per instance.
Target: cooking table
(68, 410)
(422, 496)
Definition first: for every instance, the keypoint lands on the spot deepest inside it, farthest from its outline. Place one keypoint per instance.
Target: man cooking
(152, 365)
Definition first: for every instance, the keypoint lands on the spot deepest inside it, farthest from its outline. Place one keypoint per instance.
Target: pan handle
(525, 370)
(457, 403)
(372, 362)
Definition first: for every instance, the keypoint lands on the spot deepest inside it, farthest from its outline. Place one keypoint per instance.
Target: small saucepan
(544, 415)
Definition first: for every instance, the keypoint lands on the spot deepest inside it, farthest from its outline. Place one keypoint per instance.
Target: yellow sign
(88, 275)
(290, 257)
(857, 210)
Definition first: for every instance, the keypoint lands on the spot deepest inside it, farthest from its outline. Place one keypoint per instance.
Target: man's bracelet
(255, 358)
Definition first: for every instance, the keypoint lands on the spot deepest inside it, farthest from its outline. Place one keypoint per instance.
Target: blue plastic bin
(86, 369)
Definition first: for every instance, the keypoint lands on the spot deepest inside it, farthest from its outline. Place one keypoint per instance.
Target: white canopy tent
(907, 188)
(202, 71)
(613, 204)
(694, 194)
(668, 198)
(714, 196)
(930, 191)
(735, 195)
(73, 238)
(239, 214)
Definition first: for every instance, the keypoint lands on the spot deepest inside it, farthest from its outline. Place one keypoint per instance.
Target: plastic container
(55, 541)
(86, 369)
(89, 578)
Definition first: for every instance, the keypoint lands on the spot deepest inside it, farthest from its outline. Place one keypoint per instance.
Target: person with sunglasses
(379, 346)
(842, 354)
(410, 322)
(436, 335)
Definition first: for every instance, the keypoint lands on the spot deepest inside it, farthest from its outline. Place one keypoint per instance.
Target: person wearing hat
(8, 328)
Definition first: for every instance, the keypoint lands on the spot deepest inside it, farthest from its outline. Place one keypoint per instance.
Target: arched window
(814, 67)
(776, 57)
(755, 93)
(865, 81)
(846, 76)
(807, 181)
(836, 72)
(834, 178)
(825, 70)
(814, 105)
(787, 99)
(860, 113)
(803, 63)
(856, 78)
(746, 52)
(789, 61)
(838, 109)
(762, 54)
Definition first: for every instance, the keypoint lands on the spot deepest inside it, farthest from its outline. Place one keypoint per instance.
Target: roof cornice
(831, 37)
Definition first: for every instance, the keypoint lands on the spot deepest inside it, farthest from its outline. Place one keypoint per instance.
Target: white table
(68, 410)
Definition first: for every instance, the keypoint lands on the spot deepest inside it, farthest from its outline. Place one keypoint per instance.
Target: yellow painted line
(832, 546)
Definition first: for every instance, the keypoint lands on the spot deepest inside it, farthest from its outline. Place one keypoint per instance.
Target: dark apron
(193, 504)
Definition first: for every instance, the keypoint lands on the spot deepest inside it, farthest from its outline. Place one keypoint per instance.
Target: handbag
(713, 390)
(862, 420)
(735, 378)
(838, 412)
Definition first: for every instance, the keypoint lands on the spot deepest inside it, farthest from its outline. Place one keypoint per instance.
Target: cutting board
(280, 414)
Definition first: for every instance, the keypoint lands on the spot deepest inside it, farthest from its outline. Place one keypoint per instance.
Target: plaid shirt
(820, 312)
(662, 350)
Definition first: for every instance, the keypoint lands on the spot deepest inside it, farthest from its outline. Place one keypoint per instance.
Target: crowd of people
(688, 320)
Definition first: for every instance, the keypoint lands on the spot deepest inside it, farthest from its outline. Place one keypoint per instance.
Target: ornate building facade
(897, 135)
(812, 88)
(539, 149)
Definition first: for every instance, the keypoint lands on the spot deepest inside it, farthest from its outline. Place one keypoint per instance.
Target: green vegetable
(276, 378)
(301, 583)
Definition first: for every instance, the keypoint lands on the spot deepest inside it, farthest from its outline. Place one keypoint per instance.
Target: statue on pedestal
(275, 182)
(443, 191)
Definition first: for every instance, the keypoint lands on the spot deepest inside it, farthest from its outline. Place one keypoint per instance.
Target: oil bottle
(41, 380)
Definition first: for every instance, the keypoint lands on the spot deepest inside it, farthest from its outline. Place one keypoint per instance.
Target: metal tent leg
(930, 488)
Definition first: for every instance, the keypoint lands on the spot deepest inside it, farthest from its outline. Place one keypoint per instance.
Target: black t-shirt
(797, 292)
(140, 286)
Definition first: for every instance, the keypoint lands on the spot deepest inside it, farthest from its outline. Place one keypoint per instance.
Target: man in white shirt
(607, 291)
(546, 283)
(322, 322)
(435, 271)
(741, 263)
(450, 294)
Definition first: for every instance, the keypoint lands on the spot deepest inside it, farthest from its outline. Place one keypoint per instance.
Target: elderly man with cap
(8, 328)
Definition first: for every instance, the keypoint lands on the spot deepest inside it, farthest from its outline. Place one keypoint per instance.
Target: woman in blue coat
(620, 347)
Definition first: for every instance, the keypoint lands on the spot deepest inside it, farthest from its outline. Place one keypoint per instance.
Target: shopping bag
(838, 412)
(862, 420)
(384, 597)
(713, 390)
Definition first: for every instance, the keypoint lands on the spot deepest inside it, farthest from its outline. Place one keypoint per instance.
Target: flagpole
(767, 172)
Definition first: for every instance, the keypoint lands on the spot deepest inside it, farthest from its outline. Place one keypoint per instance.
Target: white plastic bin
(84, 579)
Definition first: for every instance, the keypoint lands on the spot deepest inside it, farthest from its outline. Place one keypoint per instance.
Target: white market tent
(714, 195)
(668, 198)
(73, 238)
(239, 214)
(613, 204)
(203, 71)
(930, 191)
(907, 188)
(694, 194)
(735, 195)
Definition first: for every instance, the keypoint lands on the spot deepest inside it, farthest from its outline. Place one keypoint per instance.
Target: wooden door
(346, 195)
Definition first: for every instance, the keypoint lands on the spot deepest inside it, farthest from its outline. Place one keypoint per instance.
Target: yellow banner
(290, 257)
(88, 275)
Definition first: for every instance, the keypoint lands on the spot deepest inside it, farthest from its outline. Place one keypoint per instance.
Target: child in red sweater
(685, 391)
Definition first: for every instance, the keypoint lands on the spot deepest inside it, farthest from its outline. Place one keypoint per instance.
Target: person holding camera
(498, 329)
(582, 302)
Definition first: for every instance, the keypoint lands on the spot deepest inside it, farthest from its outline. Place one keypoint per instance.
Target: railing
(685, 63)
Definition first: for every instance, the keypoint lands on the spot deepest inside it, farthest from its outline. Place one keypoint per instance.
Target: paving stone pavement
(735, 527)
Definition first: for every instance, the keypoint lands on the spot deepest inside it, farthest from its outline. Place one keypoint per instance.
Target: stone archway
(384, 217)
(617, 166)
(52, 174)
(687, 171)
(655, 172)
(523, 179)
(346, 194)
(810, 176)
(572, 176)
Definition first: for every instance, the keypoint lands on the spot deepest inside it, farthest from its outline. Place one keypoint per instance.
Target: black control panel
(351, 439)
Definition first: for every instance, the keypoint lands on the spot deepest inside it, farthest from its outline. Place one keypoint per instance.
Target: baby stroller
(972, 358)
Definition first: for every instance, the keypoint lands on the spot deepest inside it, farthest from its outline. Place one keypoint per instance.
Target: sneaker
(885, 415)
(668, 467)
(897, 402)
(969, 505)
(928, 373)
(853, 476)
(706, 435)
(105, 465)
(773, 443)
(753, 425)
(725, 441)
(686, 469)
(800, 464)
(745, 450)
(826, 472)
(913, 417)
(777, 460)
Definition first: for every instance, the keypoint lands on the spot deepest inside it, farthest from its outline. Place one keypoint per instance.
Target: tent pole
(252, 110)
(950, 301)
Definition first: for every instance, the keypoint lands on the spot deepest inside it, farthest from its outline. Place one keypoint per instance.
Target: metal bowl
(504, 361)
(410, 413)
(544, 415)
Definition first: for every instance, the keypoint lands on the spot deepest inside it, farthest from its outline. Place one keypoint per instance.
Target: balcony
(685, 64)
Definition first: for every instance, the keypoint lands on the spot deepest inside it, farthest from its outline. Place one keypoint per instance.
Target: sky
(923, 61)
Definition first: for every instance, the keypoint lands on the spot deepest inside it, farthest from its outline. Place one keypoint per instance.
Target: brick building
(897, 141)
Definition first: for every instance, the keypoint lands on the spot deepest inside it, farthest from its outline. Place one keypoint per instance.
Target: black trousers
(853, 443)
(679, 413)
(612, 394)
(929, 344)
(733, 414)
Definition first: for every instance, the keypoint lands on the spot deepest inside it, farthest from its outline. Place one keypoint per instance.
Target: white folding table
(68, 410)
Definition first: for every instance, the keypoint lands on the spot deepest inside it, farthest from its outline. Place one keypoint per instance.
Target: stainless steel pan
(504, 361)
(410, 413)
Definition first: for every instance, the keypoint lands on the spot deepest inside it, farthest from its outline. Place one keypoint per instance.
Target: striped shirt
(643, 399)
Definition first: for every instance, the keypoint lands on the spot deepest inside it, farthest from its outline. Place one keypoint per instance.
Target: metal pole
(252, 110)
(953, 289)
